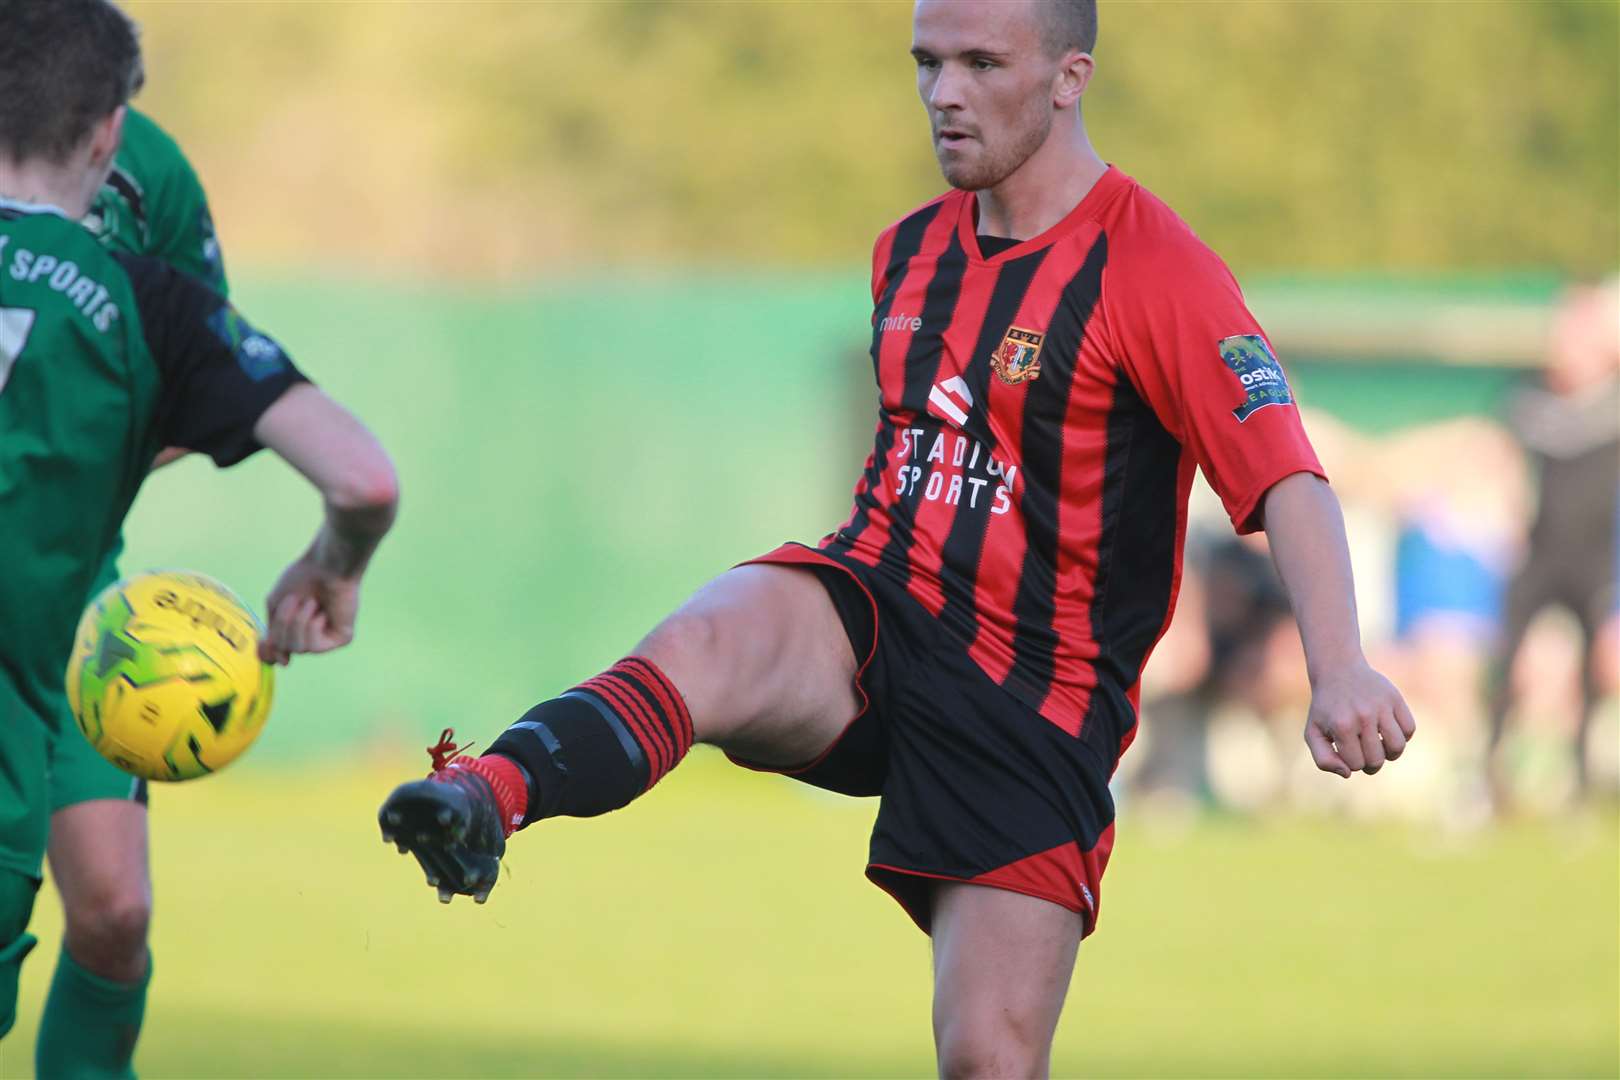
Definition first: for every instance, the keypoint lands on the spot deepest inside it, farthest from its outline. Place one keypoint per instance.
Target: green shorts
(43, 768)
(77, 773)
(25, 753)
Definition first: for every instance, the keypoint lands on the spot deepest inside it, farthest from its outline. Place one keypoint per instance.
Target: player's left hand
(311, 610)
(1357, 722)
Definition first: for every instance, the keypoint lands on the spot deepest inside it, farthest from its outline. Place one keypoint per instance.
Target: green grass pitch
(721, 927)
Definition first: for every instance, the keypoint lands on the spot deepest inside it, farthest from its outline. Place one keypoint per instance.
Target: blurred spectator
(1232, 605)
(1445, 521)
(1457, 493)
(1570, 428)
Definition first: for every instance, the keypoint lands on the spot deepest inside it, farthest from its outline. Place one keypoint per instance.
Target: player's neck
(1044, 189)
(45, 184)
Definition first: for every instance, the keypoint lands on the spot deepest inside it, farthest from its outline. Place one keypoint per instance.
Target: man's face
(986, 82)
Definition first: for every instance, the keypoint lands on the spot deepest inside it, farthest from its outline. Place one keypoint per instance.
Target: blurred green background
(596, 275)
(524, 138)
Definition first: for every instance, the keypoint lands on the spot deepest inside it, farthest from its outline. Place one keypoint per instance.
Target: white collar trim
(33, 208)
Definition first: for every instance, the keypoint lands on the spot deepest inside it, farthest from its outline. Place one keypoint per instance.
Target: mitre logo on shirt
(899, 321)
(1262, 377)
(1018, 358)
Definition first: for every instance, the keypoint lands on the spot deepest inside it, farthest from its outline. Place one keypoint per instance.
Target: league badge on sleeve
(1257, 369)
(257, 354)
(1018, 358)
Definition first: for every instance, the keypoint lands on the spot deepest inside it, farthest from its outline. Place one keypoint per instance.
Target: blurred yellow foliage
(520, 138)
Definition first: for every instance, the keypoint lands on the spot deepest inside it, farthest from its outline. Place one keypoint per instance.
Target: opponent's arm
(1357, 719)
(227, 390)
(313, 604)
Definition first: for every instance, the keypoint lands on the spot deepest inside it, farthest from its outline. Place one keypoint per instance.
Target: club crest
(1018, 358)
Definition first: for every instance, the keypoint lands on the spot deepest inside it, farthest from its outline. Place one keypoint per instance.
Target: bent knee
(704, 654)
(695, 648)
(999, 1045)
(110, 926)
(689, 636)
(726, 649)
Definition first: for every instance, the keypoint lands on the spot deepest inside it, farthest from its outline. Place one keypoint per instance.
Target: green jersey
(104, 359)
(153, 204)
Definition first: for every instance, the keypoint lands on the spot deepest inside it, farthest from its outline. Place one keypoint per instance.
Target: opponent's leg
(97, 1000)
(757, 662)
(1002, 964)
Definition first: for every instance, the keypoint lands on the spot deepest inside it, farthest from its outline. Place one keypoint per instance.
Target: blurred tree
(505, 139)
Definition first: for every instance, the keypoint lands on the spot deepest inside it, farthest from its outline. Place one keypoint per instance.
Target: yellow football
(165, 678)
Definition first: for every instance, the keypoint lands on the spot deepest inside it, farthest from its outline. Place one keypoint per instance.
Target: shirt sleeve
(1190, 346)
(181, 228)
(218, 373)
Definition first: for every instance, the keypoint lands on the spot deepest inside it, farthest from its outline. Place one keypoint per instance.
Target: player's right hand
(311, 610)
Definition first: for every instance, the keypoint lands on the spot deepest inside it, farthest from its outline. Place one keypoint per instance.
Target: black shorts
(975, 785)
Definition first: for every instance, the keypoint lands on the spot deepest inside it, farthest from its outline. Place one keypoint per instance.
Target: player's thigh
(763, 662)
(99, 862)
(1002, 965)
(98, 848)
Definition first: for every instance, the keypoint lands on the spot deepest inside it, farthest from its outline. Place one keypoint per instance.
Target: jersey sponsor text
(64, 276)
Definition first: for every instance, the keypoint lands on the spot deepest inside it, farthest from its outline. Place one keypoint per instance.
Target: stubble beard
(993, 164)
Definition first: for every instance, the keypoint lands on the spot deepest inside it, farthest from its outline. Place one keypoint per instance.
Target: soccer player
(151, 204)
(1056, 353)
(105, 358)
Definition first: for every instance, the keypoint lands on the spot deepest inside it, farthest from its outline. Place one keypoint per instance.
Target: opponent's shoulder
(151, 152)
(142, 201)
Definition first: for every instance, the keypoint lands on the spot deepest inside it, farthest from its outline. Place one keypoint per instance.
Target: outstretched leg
(757, 662)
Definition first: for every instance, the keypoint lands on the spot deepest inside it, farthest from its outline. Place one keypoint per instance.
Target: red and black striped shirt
(1042, 411)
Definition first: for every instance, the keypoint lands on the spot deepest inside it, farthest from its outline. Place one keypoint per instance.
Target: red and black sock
(601, 744)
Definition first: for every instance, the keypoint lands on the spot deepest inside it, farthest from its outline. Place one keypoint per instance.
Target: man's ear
(1072, 79)
(107, 136)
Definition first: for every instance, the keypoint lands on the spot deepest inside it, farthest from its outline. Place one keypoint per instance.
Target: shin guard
(601, 744)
